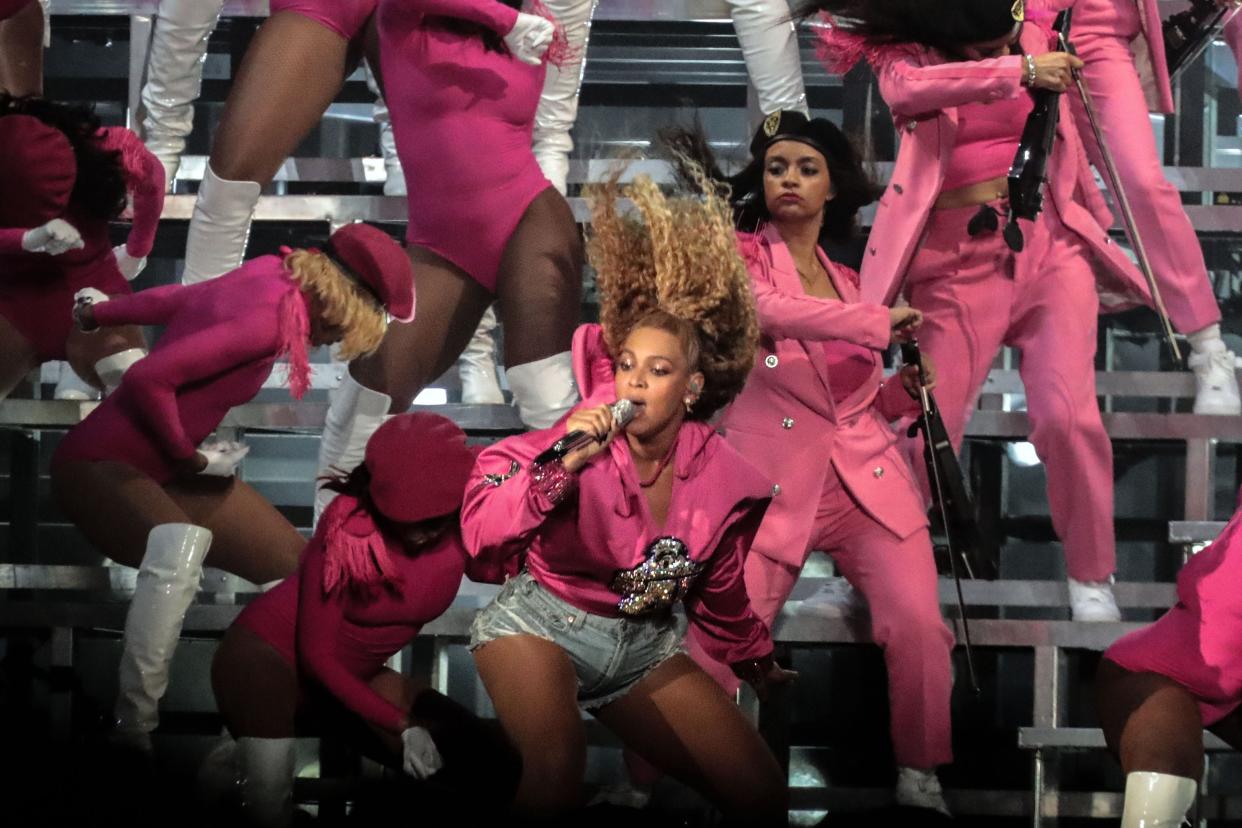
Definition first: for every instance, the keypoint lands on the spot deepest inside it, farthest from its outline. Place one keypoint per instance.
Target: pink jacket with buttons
(923, 91)
(574, 548)
(786, 421)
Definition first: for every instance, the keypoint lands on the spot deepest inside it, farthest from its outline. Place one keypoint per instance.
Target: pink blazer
(785, 421)
(1147, 48)
(923, 92)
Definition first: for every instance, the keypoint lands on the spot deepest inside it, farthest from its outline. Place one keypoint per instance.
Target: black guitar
(1030, 164)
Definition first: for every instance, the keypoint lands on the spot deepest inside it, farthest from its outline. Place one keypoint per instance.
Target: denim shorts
(610, 655)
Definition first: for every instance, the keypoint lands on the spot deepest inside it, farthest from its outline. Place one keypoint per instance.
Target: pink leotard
(988, 134)
(36, 290)
(345, 17)
(463, 118)
(341, 638)
(8, 8)
(1198, 643)
(220, 341)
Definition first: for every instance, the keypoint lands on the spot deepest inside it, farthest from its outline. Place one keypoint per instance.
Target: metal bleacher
(665, 56)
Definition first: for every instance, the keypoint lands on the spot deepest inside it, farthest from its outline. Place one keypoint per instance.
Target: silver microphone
(622, 412)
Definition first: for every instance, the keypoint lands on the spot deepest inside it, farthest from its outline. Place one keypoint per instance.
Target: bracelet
(1030, 70)
(552, 480)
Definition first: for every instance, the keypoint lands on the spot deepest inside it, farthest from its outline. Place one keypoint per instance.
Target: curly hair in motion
(99, 189)
(946, 25)
(673, 265)
(343, 305)
(852, 186)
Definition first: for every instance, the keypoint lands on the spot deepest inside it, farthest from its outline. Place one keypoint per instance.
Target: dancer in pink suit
(1122, 48)
(485, 223)
(386, 559)
(616, 532)
(958, 87)
(134, 474)
(21, 47)
(814, 417)
(1158, 688)
(63, 179)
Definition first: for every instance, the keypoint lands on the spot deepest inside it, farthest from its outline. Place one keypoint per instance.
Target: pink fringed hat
(419, 465)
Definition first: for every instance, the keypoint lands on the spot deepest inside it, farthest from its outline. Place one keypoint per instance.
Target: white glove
(89, 296)
(53, 238)
(223, 457)
(529, 38)
(129, 266)
(419, 755)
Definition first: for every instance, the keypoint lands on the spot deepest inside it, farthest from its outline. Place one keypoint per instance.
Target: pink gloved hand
(129, 266)
(529, 38)
(56, 237)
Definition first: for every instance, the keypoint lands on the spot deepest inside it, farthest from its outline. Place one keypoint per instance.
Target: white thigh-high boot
(558, 104)
(175, 77)
(477, 364)
(769, 44)
(219, 227)
(266, 770)
(69, 386)
(354, 413)
(1157, 800)
(113, 367)
(544, 390)
(394, 174)
(167, 580)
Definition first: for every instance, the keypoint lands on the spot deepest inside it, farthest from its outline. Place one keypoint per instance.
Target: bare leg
(21, 51)
(535, 690)
(679, 719)
(1150, 722)
(539, 290)
(84, 350)
(256, 689)
(275, 101)
(413, 354)
(116, 507)
(17, 357)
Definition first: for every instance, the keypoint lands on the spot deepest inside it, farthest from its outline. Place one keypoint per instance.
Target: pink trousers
(1233, 36)
(898, 579)
(1168, 236)
(976, 296)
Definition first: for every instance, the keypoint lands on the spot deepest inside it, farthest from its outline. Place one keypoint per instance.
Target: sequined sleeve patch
(552, 479)
(660, 581)
(497, 479)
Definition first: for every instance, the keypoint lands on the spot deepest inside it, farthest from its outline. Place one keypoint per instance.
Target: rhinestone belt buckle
(660, 581)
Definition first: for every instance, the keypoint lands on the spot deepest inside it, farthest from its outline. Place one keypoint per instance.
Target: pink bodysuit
(36, 290)
(602, 527)
(8, 8)
(342, 636)
(987, 140)
(1198, 643)
(462, 117)
(345, 17)
(220, 341)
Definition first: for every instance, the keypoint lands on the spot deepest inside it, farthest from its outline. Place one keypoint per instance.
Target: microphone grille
(622, 412)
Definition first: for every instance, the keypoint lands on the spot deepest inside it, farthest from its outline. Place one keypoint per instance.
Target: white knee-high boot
(1157, 800)
(113, 367)
(544, 390)
(72, 387)
(354, 413)
(558, 103)
(394, 180)
(167, 580)
(769, 44)
(175, 77)
(219, 227)
(266, 771)
(477, 364)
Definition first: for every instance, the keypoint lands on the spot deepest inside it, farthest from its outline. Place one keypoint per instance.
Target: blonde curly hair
(343, 304)
(676, 260)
